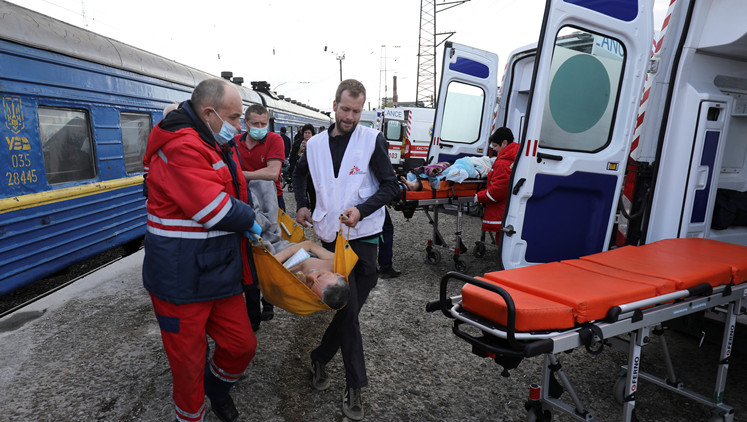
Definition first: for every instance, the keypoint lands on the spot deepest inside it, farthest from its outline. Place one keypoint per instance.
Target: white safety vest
(354, 184)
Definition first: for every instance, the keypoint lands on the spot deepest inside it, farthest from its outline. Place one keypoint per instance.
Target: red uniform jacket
(494, 196)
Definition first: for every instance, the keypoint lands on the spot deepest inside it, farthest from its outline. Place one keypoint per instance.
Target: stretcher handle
(510, 307)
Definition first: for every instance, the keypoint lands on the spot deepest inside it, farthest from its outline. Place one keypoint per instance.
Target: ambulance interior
(708, 118)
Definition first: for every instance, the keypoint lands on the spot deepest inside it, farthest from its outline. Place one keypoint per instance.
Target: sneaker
(319, 377)
(390, 273)
(225, 411)
(352, 405)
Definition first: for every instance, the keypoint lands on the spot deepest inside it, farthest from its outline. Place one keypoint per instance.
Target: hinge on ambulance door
(653, 66)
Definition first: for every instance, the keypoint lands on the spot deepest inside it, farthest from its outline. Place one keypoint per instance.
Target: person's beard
(340, 129)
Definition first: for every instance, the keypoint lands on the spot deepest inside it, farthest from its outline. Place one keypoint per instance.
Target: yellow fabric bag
(289, 229)
(282, 288)
(345, 257)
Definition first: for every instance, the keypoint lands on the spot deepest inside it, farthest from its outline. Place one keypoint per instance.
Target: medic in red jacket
(196, 261)
(494, 195)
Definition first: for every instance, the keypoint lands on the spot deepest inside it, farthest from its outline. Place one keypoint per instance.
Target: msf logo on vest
(355, 170)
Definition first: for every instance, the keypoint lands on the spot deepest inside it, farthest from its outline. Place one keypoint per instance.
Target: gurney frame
(437, 242)
(637, 320)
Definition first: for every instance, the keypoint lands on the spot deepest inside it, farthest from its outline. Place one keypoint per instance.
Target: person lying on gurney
(464, 168)
(316, 271)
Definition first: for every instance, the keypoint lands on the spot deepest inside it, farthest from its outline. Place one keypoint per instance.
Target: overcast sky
(283, 41)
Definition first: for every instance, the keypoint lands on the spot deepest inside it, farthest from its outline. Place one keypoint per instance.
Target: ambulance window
(585, 75)
(135, 130)
(393, 130)
(462, 113)
(66, 144)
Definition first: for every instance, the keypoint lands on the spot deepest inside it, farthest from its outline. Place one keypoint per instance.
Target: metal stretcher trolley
(555, 307)
(431, 201)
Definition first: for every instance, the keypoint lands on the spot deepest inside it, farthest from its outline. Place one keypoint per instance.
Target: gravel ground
(99, 357)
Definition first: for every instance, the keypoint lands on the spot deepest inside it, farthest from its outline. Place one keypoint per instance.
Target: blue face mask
(227, 132)
(258, 133)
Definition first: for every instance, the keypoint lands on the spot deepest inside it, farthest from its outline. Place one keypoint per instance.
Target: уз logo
(355, 170)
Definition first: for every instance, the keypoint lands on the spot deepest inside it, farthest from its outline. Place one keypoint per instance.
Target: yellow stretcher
(282, 288)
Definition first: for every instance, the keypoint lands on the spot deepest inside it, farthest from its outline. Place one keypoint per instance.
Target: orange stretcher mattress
(559, 295)
(674, 261)
(446, 189)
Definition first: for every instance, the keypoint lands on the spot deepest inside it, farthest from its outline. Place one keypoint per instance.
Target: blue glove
(256, 229)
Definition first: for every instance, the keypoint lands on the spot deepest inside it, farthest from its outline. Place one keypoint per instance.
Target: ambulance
(621, 142)
(393, 127)
(408, 132)
(370, 118)
(575, 133)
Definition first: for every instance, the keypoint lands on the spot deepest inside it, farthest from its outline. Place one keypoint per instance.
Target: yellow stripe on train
(35, 199)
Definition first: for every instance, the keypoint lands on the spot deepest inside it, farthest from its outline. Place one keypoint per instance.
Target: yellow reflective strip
(35, 199)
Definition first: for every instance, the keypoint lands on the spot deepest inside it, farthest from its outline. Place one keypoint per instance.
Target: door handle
(509, 230)
(542, 156)
(443, 145)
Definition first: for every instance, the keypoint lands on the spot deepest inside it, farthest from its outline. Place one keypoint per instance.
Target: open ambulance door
(590, 67)
(466, 103)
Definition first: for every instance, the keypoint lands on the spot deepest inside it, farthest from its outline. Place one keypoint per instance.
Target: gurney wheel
(432, 256)
(538, 415)
(618, 391)
(460, 264)
(479, 249)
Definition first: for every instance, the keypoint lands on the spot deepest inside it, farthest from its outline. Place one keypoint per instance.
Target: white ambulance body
(418, 134)
(585, 123)
(370, 118)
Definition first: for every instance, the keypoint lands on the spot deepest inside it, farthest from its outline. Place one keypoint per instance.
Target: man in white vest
(352, 177)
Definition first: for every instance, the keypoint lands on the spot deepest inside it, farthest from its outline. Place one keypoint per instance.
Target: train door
(466, 103)
(588, 78)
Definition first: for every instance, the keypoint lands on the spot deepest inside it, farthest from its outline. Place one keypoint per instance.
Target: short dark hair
(336, 294)
(308, 126)
(257, 109)
(354, 88)
(282, 129)
(502, 134)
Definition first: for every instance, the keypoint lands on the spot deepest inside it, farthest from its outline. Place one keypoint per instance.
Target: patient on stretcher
(462, 169)
(316, 270)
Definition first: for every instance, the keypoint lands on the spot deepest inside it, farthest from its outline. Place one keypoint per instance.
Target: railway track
(39, 289)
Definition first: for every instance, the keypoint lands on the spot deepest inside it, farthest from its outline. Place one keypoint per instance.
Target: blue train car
(77, 111)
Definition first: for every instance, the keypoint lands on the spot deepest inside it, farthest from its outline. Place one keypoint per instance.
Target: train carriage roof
(27, 27)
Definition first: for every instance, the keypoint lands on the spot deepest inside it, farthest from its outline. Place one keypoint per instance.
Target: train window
(135, 130)
(67, 145)
(585, 75)
(462, 113)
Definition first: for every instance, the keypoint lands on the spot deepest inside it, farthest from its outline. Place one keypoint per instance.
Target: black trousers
(344, 332)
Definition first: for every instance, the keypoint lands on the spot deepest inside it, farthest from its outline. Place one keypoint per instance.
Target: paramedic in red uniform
(352, 176)
(494, 195)
(262, 154)
(196, 261)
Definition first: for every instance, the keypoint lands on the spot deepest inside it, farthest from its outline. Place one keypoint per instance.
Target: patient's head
(330, 287)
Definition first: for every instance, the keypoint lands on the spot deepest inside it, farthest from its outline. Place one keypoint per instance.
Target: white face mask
(227, 132)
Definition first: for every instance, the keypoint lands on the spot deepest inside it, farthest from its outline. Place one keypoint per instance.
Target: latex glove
(256, 229)
(476, 198)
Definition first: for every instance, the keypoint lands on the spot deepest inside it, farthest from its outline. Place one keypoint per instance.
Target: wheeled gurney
(590, 302)
(432, 201)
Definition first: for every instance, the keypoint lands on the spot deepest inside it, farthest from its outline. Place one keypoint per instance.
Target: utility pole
(426, 83)
(340, 58)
